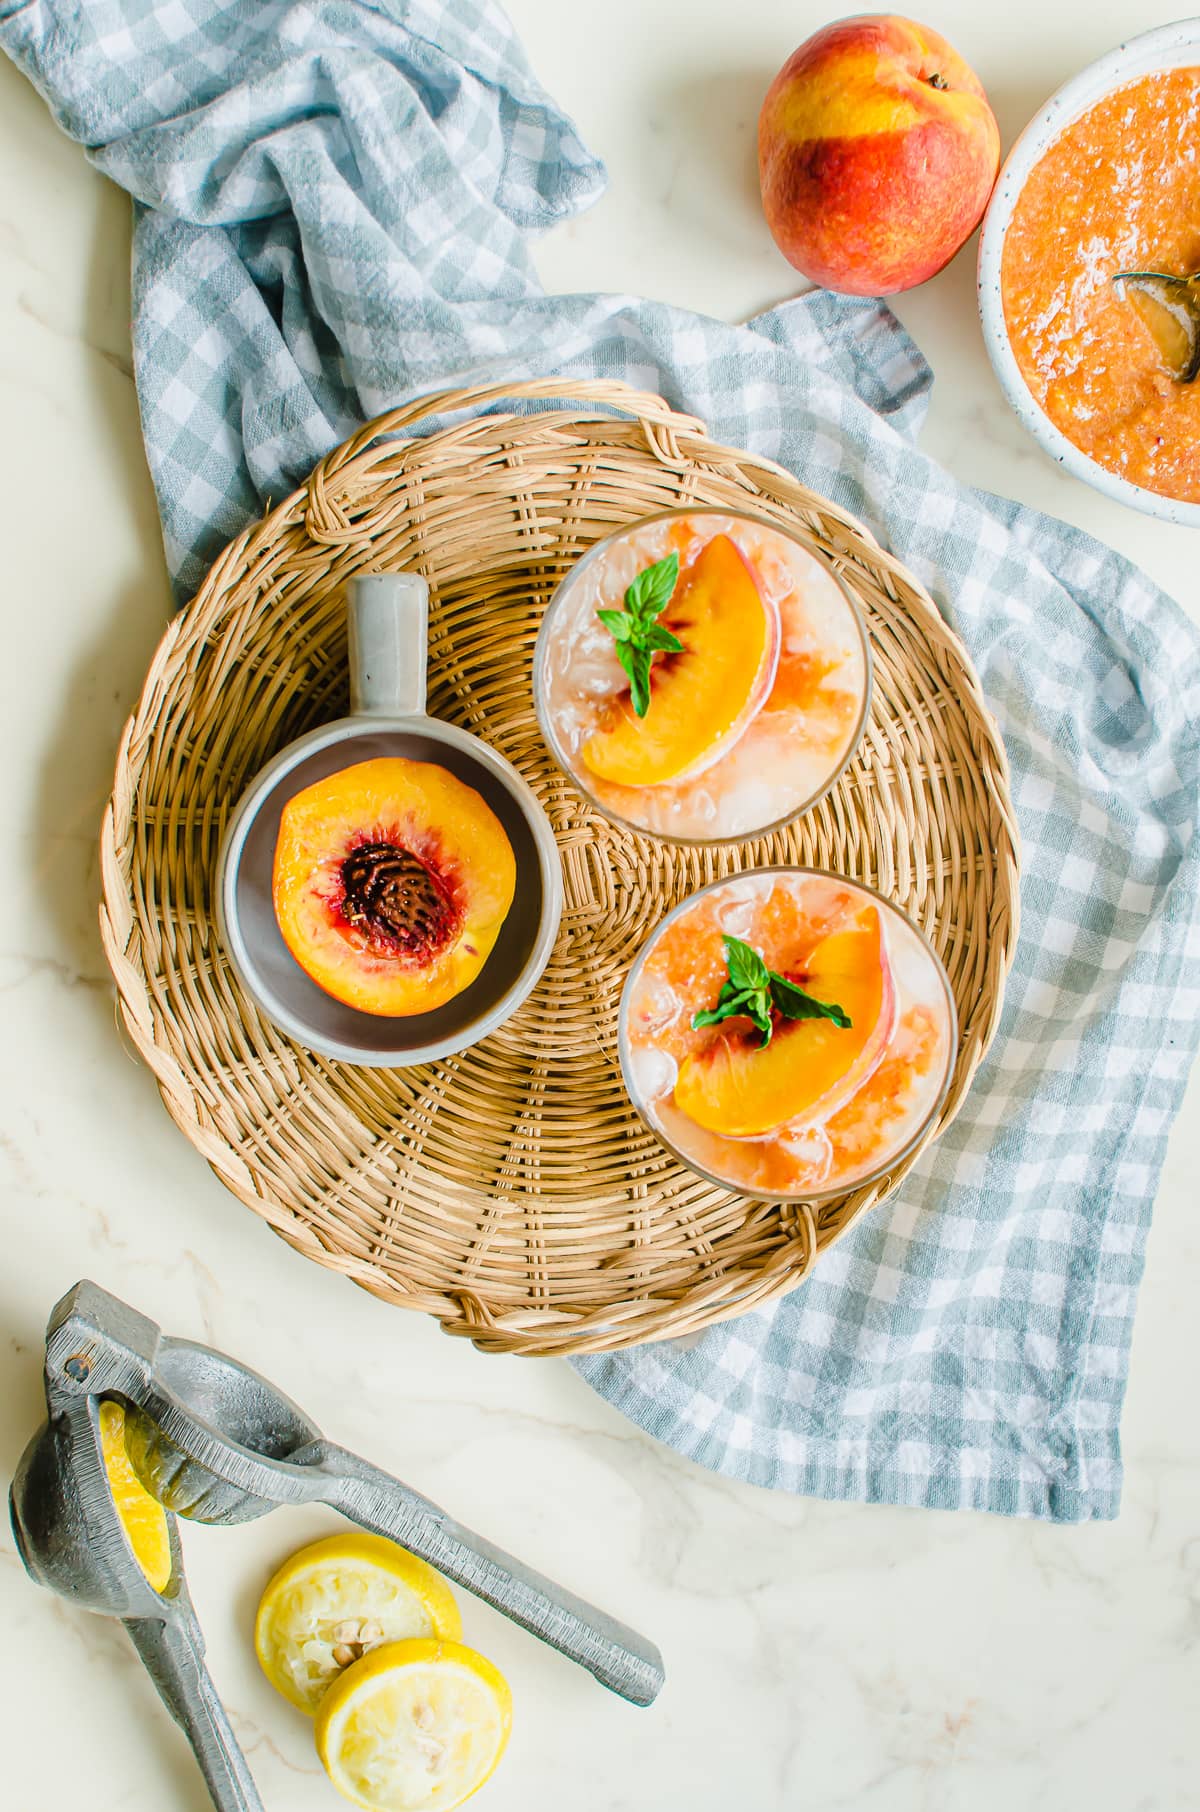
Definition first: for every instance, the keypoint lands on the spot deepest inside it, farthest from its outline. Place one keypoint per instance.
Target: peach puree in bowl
(863, 1034)
(1118, 190)
(756, 695)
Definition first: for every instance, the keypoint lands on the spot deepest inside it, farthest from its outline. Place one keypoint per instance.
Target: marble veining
(819, 1656)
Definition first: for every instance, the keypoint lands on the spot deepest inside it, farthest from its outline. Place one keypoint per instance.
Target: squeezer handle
(628, 1664)
(172, 1654)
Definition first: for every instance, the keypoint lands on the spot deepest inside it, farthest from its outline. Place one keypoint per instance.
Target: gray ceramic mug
(389, 633)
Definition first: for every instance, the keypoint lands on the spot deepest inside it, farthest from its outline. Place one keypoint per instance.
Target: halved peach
(811, 1067)
(392, 879)
(702, 699)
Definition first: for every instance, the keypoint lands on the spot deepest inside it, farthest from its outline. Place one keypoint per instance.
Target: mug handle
(389, 642)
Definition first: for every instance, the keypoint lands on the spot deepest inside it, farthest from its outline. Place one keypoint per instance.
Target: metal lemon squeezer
(216, 1443)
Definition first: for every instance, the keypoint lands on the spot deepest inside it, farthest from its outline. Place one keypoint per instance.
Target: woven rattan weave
(511, 1190)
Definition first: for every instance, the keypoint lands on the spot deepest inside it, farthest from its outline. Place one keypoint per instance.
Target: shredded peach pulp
(1118, 191)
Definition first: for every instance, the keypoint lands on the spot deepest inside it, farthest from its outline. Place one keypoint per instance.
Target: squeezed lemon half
(413, 1726)
(142, 1517)
(338, 1600)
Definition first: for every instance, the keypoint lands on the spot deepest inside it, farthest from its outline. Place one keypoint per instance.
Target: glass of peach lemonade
(787, 1033)
(702, 676)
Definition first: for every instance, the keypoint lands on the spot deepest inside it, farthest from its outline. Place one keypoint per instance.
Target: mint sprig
(752, 990)
(636, 631)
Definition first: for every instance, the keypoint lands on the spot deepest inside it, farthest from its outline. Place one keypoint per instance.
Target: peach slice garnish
(811, 1067)
(702, 699)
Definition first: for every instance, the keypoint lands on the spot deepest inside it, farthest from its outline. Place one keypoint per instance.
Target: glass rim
(809, 1195)
(551, 740)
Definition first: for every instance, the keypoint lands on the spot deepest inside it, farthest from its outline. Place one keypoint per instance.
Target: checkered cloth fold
(332, 203)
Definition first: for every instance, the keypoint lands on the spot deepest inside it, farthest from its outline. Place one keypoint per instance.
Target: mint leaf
(795, 1003)
(651, 591)
(752, 1006)
(617, 623)
(636, 662)
(638, 637)
(752, 989)
(711, 1016)
(732, 1000)
(746, 966)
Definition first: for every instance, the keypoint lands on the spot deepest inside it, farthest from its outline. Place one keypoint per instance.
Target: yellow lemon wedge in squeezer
(141, 1516)
(414, 1727)
(337, 1600)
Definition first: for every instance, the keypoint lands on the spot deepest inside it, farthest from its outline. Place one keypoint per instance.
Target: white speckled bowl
(1167, 47)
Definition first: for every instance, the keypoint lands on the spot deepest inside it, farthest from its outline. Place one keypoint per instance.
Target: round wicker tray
(511, 1190)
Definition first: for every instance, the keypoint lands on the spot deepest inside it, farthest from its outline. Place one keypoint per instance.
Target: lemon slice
(414, 1725)
(334, 1601)
(141, 1516)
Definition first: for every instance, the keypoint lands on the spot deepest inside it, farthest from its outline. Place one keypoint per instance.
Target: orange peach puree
(1119, 190)
(690, 959)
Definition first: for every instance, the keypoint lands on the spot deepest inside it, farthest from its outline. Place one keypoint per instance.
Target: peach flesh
(811, 1067)
(391, 882)
(702, 700)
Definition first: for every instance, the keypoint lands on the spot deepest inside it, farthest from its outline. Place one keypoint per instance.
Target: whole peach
(877, 152)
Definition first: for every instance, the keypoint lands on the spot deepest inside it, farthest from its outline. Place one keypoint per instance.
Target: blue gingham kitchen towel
(331, 207)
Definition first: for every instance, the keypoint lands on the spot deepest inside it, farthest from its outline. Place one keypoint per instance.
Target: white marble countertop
(819, 1656)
